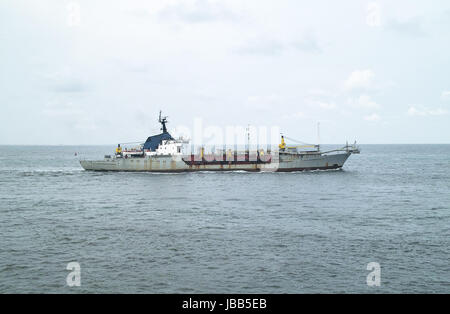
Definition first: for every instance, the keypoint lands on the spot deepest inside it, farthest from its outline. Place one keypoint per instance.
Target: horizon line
(219, 145)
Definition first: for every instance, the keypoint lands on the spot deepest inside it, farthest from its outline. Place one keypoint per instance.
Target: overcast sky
(98, 72)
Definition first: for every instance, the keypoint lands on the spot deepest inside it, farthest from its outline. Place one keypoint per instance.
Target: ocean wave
(42, 171)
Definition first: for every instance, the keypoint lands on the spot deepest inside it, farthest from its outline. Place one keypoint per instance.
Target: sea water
(301, 232)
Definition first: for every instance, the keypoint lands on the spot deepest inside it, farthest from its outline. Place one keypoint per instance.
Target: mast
(318, 136)
(248, 139)
(163, 121)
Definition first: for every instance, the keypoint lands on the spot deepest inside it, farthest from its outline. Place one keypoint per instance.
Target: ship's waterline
(177, 164)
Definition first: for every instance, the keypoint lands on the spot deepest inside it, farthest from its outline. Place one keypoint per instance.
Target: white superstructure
(169, 148)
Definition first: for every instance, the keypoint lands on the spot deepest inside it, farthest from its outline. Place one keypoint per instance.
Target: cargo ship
(164, 153)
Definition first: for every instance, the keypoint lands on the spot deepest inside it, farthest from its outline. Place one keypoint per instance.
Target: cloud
(359, 79)
(328, 105)
(372, 117)
(295, 116)
(160, 53)
(308, 44)
(364, 102)
(138, 68)
(65, 81)
(272, 47)
(411, 27)
(319, 92)
(199, 11)
(70, 86)
(423, 111)
(261, 47)
(263, 102)
(74, 116)
(60, 109)
(445, 95)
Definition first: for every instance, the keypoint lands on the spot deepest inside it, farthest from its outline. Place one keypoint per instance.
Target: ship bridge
(154, 141)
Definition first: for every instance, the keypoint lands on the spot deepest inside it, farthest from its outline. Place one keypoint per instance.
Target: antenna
(163, 121)
(248, 137)
(318, 135)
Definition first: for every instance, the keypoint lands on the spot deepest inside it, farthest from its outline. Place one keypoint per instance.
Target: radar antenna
(163, 121)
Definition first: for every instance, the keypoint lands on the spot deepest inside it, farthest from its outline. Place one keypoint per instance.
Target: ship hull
(279, 163)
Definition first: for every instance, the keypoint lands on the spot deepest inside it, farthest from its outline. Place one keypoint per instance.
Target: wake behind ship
(163, 153)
